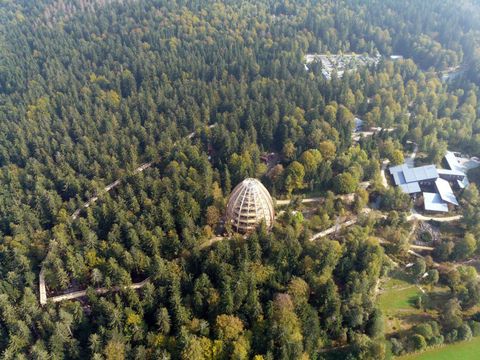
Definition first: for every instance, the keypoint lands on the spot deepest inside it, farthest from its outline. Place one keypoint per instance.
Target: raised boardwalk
(82, 293)
(78, 294)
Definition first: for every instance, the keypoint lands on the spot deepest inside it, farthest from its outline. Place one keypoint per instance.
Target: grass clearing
(398, 292)
(399, 299)
(397, 302)
(466, 350)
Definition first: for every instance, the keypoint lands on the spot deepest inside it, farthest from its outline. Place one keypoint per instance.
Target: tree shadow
(436, 299)
(398, 274)
(412, 300)
(417, 318)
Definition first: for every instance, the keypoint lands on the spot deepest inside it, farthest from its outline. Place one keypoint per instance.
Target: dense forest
(91, 89)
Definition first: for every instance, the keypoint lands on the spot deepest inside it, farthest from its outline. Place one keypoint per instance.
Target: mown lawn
(397, 302)
(398, 293)
(399, 299)
(467, 350)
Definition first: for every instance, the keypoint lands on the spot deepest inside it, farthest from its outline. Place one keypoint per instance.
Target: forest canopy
(92, 89)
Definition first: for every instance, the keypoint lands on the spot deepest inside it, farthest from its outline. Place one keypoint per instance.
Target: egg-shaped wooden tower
(249, 204)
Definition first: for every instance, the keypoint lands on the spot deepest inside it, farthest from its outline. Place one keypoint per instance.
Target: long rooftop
(452, 161)
(445, 191)
(449, 172)
(422, 173)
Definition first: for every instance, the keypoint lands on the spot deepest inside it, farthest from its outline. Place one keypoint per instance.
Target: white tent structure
(249, 204)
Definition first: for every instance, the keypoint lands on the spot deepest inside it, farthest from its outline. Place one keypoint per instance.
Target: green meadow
(467, 350)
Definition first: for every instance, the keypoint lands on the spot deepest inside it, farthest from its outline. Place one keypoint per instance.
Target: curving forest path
(411, 217)
(304, 201)
(82, 293)
(117, 182)
(334, 229)
(416, 216)
(77, 294)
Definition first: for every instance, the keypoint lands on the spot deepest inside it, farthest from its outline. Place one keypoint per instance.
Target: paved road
(358, 134)
(413, 216)
(207, 244)
(331, 230)
(421, 247)
(363, 185)
(410, 161)
(382, 173)
(210, 242)
(342, 225)
(417, 216)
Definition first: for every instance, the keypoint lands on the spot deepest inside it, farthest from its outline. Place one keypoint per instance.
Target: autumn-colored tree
(294, 175)
(285, 329)
(327, 149)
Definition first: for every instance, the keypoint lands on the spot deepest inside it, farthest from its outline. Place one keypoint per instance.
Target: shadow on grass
(412, 300)
(401, 275)
(436, 299)
(414, 319)
(431, 300)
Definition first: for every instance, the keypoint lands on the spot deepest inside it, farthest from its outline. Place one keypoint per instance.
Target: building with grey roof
(457, 178)
(433, 202)
(452, 161)
(457, 172)
(445, 191)
(453, 173)
(411, 188)
(397, 174)
(424, 179)
(402, 174)
(420, 174)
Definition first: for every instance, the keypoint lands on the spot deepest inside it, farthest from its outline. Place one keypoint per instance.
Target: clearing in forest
(466, 350)
(397, 300)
